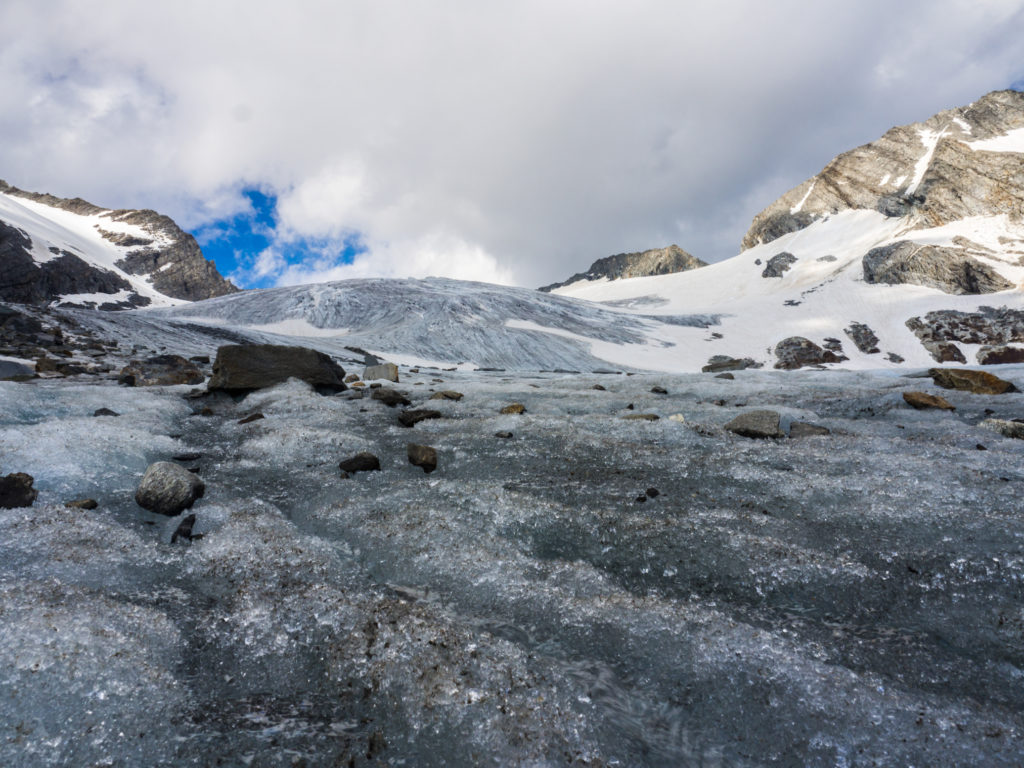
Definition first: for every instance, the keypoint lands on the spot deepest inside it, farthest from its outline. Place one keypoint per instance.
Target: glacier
(848, 599)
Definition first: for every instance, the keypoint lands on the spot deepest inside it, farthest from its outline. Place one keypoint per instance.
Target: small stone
(756, 424)
(728, 376)
(804, 429)
(414, 417)
(503, 435)
(251, 418)
(82, 504)
(652, 493)
(105, 412)
(677, 417)
(390, 397)
(161, 370)
(922, 400)
(386, 371)
(514, 408)
(361, 462)
(422, 456)
(200, 359)
(659, 391)
(641, 417)
(187, 456)
(641, 499)
(629, 407)
(980, 447)
(168, 489)
(599, 388)
(350, 378)
(447, 394)
(16, 490)
(358, 384)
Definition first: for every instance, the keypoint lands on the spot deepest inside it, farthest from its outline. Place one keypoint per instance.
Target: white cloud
(519, 141)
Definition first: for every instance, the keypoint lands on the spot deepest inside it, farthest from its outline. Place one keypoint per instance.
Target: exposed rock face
(950, 270)
(928, 171)
(168, 489)
(758, 424)
(944, 352)
(1000, 355)
(986, 326)
(659, 261)
(978, 382)
(245, 367)
(24, 281)
(863, 337)
(797, 352)
(168, 256)
(160, 371)
(778, 265)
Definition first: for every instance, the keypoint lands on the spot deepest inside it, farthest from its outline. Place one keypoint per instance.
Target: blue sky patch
(234, 244)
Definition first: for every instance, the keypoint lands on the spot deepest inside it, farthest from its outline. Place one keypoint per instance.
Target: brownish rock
(978, 382)
(514, 408)
(922, 400)
(422, 456)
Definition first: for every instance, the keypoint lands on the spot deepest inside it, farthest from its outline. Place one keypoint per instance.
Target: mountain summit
(959, 163)
(657, 261)
(76, 253)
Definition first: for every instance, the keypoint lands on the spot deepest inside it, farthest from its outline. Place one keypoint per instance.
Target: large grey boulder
(160, 371)
(241, 368)
(761, 423)
(778, 265)
(168, 488)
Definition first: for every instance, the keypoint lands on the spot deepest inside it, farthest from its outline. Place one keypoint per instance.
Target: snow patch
(799, 206)
(1013, 141)
(930, 139)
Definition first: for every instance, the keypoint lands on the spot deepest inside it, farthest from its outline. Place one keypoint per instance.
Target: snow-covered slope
(73, 252)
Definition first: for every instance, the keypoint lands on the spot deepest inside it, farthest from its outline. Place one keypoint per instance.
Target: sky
(506, 142)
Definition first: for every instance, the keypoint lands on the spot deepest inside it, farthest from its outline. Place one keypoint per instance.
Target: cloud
(499, 141)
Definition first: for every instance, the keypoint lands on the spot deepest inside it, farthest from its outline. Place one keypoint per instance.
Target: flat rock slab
(922, 400)
(800, 429)
(168, 489)
(978, 382)
(758, 424)
(414, 417)
(422, 456)
(241, 368)
(386, 371)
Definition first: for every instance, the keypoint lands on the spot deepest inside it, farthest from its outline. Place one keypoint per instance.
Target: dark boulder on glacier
(16, 490)
(797, 352)
(778, 265)
(422, 456)
(757, 424)
(242, 368)
(361, 462)
(978, 382)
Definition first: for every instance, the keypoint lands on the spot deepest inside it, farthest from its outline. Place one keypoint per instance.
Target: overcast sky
(512, 142)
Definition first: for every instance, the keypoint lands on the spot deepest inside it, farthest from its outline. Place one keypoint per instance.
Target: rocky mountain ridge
(657, 261)
(74, 252)
(960, 163)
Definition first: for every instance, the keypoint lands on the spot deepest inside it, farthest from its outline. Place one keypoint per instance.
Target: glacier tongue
(851, 598)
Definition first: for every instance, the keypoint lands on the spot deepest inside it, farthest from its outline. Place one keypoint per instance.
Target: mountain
(657, 261)
(909, 250)
(76, 253)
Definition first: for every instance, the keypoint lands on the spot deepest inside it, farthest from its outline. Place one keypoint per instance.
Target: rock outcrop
(778, 265)
(155, 249)
(949, 270)
(798, 352)
(757, 424)
(160, 371)
(658, 261)
(937, 171)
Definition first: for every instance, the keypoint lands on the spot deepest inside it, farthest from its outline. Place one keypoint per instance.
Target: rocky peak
(657, 261)
(962, 162)
(148, 245)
